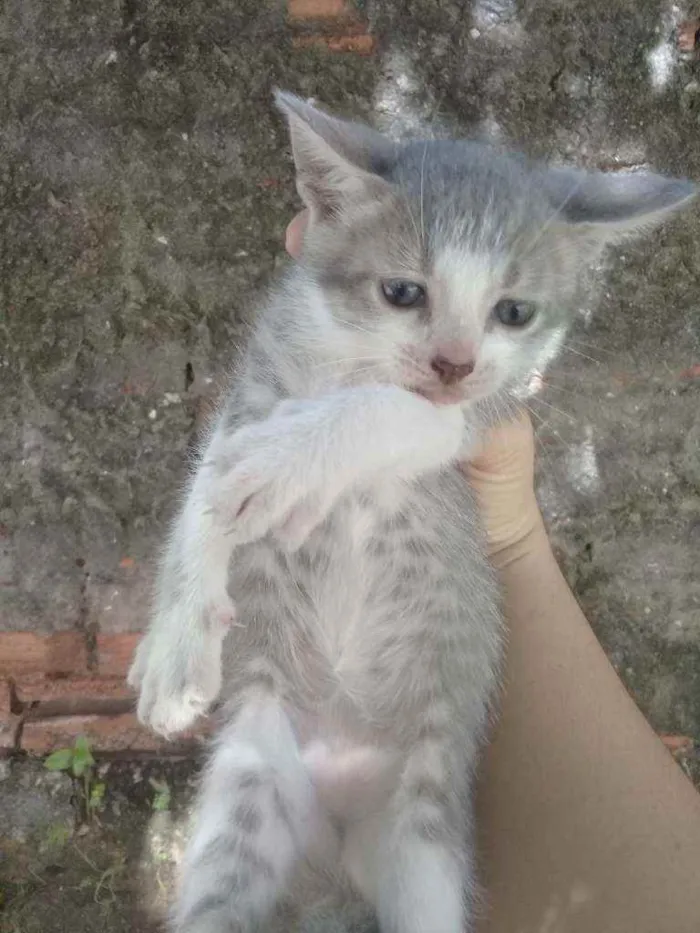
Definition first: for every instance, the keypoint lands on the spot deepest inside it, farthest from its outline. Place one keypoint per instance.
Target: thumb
(507, 451)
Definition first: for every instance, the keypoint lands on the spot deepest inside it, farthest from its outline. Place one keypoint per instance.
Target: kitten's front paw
(177, 669)
(301, 521)
(266, 488)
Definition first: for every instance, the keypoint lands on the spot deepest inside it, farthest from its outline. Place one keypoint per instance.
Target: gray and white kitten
(328, 532)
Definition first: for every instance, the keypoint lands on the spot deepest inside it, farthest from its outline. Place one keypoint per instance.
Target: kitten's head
(449, 267)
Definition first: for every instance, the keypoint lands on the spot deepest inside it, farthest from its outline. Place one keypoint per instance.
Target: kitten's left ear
(336, 161)
(606, 207)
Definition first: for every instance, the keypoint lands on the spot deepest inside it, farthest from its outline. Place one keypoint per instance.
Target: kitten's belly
(346, 594)
(352, 620)
(342, 596)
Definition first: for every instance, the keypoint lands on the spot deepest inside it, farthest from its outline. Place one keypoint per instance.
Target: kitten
(364, 628)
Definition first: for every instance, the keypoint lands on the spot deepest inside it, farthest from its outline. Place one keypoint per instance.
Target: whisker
(593, 346)
(566, 346)
(364, 369)
(366, 376)
(545, 226)
(505, 407)
(544, 448)
(497, 408)
(554, 408)
(349, 359)
(541, 421)
(414, 365)
(409, 210)
(485, 408)
(422, 180)
(353, 325)
(557, 388)
(543, 425)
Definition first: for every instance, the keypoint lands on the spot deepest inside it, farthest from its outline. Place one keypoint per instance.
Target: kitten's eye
(514, 313)
(403, 294)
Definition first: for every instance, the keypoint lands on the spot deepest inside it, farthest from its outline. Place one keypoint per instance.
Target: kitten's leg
(255, 816)
(286, 472)
(178, 664)
(413, 860)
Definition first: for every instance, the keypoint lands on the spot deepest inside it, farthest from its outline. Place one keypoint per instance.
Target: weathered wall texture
(144, 189)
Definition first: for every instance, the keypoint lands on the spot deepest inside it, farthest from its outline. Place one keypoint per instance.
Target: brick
(678, 744)
(688, 35)
(5, 697)
(27, 653)
(115, 653)
(359, 44)
(303, 10)
(35, 688)
(120, 733)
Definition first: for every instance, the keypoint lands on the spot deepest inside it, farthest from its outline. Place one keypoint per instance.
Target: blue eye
(514, 313)
(404, 294)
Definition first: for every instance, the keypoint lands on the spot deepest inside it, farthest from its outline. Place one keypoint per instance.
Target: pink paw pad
(222, 615)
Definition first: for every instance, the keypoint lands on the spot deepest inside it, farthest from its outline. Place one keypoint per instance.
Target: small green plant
(161, 796)
(79, 763)
(57, 836)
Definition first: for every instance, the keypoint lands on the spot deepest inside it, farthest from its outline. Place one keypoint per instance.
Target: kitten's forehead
(468, 281)
(468, 194)
(463, 215)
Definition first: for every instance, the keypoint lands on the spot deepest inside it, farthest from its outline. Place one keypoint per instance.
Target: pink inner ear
(294, 237)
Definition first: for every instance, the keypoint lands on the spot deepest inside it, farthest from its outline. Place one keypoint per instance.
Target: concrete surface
(144, 189)
(112, 875)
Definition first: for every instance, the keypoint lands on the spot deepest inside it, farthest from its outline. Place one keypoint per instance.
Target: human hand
(502, 474)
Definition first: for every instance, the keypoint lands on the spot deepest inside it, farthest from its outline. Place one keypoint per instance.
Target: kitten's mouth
(440, 396)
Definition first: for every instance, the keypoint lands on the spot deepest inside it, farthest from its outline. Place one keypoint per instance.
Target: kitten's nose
(450, 372)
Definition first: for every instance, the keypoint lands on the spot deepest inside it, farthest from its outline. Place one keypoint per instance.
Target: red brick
(359, 44)
(300, 10)
(678, 744)
(689, 35)
(27, 653)
(34, 688)
(115, 653)
(5, 697)
(121, 733)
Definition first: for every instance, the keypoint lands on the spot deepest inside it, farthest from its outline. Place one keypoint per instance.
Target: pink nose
(449, 372)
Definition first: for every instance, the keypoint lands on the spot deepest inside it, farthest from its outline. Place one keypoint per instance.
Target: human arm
(584, 820)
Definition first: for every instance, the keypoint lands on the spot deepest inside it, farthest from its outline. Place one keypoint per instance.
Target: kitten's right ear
(336, 161)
